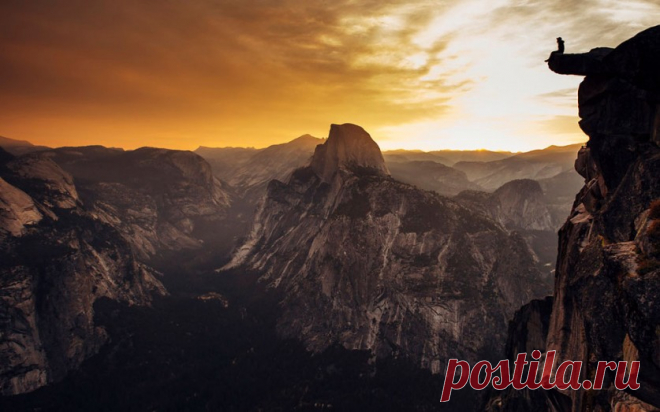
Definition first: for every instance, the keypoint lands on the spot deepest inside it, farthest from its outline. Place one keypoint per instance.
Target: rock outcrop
(371, 263)
(607, 286)
(56, 260)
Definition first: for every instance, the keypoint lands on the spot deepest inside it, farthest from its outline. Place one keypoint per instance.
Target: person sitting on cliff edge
(560, 48)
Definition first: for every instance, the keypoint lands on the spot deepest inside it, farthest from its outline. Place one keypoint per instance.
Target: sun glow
(415, 74)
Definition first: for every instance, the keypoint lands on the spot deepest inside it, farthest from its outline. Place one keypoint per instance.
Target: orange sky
(416, 74)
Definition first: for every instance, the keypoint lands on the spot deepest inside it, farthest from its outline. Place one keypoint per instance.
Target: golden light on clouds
(416, 74)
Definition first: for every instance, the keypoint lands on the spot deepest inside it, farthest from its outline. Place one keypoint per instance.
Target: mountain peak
(305, 139)
(348, 147)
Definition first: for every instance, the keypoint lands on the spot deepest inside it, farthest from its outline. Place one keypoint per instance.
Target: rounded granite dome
(349, 147)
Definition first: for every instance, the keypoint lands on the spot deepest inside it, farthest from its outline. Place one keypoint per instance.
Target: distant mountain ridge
(19, 147)
(537, 164)
(430, 175)
(245, 167)
(446, 157)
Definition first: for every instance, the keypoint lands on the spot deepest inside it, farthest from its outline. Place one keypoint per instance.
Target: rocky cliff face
(56, 260)
(160, 200)
(607, 286)
(372, 263)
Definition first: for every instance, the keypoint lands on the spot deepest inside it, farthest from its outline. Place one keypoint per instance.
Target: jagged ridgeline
(607, 286)
(371, 263)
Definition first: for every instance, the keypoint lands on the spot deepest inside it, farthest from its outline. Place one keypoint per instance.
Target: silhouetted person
(560, 48)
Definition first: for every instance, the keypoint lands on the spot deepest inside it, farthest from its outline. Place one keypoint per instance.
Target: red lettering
(518, 371)
(600, 373)
(547, 370)
(533, 370)
(476, 371)
(632, 378)
(574, 381)
(449, 378)
(504, 380)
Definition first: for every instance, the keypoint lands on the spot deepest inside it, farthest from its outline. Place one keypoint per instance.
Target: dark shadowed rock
(580, 64)
(638, 60)
(5, 157)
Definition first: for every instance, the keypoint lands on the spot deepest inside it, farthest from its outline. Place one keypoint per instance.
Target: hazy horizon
(290, 141)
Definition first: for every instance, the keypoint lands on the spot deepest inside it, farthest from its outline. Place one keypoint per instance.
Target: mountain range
(301, 209)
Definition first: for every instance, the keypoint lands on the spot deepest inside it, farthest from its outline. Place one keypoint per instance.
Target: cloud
(257, 72)
(218, 62)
